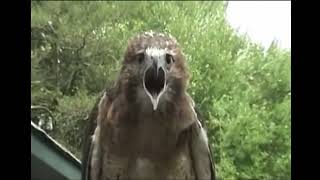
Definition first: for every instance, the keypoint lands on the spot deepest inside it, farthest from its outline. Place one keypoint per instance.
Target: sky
(263, 21)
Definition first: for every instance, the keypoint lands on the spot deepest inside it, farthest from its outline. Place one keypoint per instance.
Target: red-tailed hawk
(146, 126)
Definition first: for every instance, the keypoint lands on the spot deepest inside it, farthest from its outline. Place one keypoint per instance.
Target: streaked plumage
(146, 126)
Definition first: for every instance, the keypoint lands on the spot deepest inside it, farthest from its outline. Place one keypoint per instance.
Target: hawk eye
(169, 59)
(140, 57)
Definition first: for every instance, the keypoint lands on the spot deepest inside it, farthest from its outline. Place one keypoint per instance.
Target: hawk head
(154, 69)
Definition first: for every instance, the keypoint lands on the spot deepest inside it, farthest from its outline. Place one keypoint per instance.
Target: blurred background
(241, 85)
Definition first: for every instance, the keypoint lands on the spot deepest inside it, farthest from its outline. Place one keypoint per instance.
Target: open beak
(154, 82)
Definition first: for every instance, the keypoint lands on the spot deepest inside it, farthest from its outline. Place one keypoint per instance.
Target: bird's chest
(146, 139)
(177, 166)
(146, 150)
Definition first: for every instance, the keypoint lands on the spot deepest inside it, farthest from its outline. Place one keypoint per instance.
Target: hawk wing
(88, 147)
(200, 151)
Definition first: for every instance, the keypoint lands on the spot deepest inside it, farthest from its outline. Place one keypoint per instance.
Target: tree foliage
(242, 89)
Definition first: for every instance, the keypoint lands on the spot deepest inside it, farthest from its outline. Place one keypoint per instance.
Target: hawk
(146, 125)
